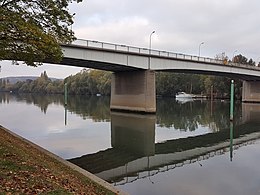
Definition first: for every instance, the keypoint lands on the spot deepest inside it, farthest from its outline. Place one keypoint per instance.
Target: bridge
(133, 81)
(135, 155)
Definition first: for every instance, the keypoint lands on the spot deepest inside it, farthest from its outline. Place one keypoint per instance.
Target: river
(185, 148)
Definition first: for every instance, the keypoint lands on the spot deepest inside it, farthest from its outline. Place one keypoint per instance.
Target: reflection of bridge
(133, 82)
(134, 154)
(150, 171)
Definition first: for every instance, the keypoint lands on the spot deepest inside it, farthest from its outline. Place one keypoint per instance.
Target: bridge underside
(97, 65)
(215, 73)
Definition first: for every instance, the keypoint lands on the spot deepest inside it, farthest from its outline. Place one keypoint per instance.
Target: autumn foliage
(32, 30)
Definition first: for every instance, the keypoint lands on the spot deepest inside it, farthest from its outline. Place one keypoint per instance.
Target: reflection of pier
(133, 133)
(134, 154)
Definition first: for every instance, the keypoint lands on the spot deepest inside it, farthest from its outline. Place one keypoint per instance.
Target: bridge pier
(250, 113)
(133, 91)
(251, 91)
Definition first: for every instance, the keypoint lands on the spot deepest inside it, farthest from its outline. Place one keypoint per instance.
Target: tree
(243, 60)
(32, 30)
(251, 62)
(222, 56)
(240, 59)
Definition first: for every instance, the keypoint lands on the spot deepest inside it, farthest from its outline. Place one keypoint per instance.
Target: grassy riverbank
(24, 169)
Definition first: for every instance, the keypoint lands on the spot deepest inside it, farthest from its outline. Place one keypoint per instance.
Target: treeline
(42, 84)
(89, 82)
(86, 82)
(92, 82)
(168, 84)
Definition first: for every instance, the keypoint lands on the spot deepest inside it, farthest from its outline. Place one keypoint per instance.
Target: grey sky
(224, 26)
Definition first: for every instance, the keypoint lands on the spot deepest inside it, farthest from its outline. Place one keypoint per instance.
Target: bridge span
(133, 82)
(118, 58)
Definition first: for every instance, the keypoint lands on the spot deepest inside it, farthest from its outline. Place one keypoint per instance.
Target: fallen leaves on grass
(26, 170)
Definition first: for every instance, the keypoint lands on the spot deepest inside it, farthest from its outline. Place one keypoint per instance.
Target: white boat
(183, 95)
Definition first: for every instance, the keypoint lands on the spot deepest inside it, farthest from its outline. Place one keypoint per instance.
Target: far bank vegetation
(92, 82)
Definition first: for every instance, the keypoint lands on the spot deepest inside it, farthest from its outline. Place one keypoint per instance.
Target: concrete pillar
(251, 91)
(133, 91)
(250, 112)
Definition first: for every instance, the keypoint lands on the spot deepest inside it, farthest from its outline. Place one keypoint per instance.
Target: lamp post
(150, 43)
(232, 100)
(200, 46)
(150, 46)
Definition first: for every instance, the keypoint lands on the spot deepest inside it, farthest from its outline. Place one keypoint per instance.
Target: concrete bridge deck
(116, 57)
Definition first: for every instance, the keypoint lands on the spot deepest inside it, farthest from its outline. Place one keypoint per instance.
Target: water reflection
(135, 155)
(231, 140)
(41, 101)
(188, 116)
(66, 115)
(4, 98)
(170, 114)
(96, 108)
(184, 146)
(133, 133)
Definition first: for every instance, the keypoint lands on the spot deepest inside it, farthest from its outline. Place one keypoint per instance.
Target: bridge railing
(139, 50)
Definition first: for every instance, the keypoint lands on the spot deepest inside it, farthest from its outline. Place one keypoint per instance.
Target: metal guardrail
(152, 52)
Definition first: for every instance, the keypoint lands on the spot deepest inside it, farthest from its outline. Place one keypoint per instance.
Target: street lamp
(150, 43)
(150, 46)
(200, 46)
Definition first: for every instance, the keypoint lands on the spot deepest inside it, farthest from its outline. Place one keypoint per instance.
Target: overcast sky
(180, 25)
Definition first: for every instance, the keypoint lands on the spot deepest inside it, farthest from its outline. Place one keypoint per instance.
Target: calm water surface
(186, 148)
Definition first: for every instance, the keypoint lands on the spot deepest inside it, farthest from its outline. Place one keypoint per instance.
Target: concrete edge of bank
(89, 175)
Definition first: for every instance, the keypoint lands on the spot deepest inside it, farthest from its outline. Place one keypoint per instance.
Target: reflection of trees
(4, 97)
(186, 117)
(93, 107)
(191, 114)
(42, 101)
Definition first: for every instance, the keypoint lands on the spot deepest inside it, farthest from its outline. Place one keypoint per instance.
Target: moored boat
(183, 95)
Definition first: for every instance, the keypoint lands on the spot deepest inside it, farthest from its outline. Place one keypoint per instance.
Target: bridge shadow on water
(134, 153)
